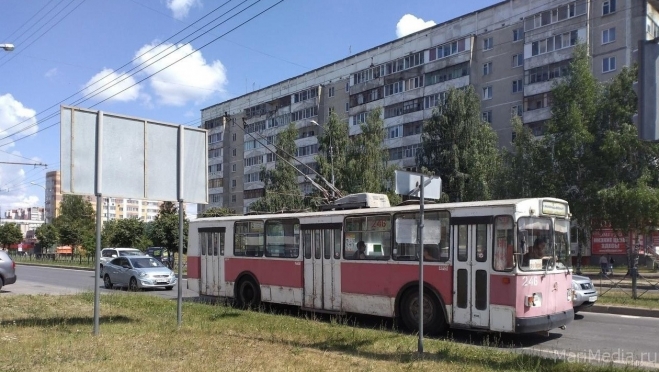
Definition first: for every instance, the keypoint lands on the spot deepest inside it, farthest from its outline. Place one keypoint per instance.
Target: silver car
(585, 294)
(7, 269)
(137, 272)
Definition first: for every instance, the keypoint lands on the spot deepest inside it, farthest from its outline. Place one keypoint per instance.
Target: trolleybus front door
(472, 239)
(212, 264)
(322, 281)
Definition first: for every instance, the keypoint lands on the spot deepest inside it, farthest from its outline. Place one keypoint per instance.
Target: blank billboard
(125, 157)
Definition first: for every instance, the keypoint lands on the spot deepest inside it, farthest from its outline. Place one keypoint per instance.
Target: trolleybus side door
(212, 264)
(322, 269)
(472, 237)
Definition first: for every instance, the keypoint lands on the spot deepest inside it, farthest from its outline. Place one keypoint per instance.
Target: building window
(487, 92)
(609, 36)
(233, 183)
(518, 60)
(553, 43)
(330, 92)
(518, 34)
(347, 86)
(517, 86)
(233, 152)
(487, 116)
(233, 137)
(608, 7)
(516, 110)
(487, 68)
(233, 167)
(330, 110)
(488, 43)
(233, 198)
(608, 64)
(347, 106)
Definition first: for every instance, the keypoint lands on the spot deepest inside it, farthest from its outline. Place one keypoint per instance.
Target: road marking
(629, 316)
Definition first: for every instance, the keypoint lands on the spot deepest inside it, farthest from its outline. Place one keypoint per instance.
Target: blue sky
(64, 46)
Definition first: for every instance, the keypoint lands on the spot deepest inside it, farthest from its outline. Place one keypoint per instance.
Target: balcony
(537, 115)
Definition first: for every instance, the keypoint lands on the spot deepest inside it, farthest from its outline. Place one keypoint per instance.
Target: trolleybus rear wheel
(433, 316)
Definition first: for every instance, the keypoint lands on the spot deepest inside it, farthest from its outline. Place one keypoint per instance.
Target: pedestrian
(611, 262)
(604, 263)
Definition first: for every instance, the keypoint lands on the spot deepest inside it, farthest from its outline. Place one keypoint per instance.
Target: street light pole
(45, 190)
(331, 153)
(7, 47)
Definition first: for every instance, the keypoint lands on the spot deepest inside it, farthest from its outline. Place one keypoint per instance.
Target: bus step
(321, 311)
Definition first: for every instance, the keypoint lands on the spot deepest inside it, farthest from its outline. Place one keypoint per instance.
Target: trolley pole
(421, 270)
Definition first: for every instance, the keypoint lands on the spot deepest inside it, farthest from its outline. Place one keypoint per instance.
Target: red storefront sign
(607, 241)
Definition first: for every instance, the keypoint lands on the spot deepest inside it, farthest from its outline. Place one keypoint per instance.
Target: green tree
(282, 191)
(47, 235)
(107, 234)
(460, 147)
(517, 178)
(164, 230)
(127, 232)
(10, 233)
(75, 222)
(367, 160)
(335, 135)
(217, 212)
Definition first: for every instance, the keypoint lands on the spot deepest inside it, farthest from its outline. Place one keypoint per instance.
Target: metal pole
(180, 263)
(97, 264)
(421, 271)
(99, 218)
(332, 162)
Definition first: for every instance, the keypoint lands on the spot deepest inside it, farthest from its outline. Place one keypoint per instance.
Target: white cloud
(190, 79)
(409, 24)
(15, 188)
(106, 84)
(51, 73)
(15, 118)
(180, 8)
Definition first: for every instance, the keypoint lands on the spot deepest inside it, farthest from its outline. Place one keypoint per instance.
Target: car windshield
(535, 244)
(130, 253)
(142, 263)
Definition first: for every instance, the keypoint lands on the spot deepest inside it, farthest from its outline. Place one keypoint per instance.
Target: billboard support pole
(421, 187)
(99, 208)
(179, 181)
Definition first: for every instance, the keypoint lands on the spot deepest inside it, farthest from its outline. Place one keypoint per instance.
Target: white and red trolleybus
(481, 269)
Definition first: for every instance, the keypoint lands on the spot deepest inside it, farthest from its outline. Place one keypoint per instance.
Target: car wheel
(169, 287)
(433, 317)
(249, 296)
(1, 282)
(107, 282)
(132, 285)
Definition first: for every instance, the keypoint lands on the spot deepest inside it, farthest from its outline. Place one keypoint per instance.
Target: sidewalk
(622, 310)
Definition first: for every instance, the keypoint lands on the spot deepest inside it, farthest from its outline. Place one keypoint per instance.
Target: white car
(137, 272)
(585, 294)
(108, 254)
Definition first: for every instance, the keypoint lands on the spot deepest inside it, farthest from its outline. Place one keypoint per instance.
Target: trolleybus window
(503, 244)
(481, 243)
(435, 236)
(248, 239)
(562, 241)
(535, 243)
(374, 231)
(282, 238)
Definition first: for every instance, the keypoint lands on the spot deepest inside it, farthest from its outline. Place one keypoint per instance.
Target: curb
(622, 310)
(185, 276)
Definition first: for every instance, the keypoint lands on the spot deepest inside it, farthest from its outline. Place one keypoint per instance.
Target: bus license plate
(592, 298)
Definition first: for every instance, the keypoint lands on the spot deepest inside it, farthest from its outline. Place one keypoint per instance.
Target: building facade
(511, 53)
(113, 208)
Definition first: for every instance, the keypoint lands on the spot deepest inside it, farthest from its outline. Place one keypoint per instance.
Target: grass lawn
(647, 300)
(138, 333)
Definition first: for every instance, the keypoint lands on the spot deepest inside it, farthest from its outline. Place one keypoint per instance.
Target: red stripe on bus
(194, 267)
(283, 273)
(387, 279)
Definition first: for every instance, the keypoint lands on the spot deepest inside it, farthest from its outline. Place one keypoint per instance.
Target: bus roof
(400, 208)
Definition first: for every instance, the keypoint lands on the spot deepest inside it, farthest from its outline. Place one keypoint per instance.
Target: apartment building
(511, 53)
(113, 208)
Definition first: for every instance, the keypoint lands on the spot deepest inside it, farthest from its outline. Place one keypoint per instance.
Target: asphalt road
(591, 337)
(39, 280)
